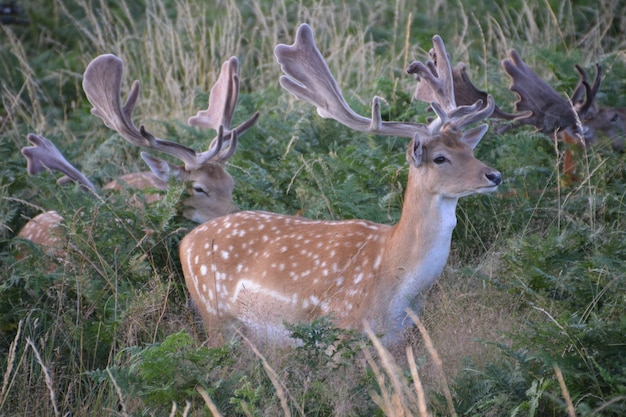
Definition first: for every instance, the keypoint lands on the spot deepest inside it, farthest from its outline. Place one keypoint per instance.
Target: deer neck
(423, 234)
(418, 245)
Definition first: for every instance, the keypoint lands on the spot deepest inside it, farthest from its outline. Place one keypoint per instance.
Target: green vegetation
(529, 317)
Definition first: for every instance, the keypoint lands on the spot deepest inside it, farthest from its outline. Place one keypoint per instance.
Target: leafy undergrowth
(527, 319)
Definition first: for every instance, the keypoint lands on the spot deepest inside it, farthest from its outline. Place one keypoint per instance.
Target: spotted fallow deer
(264, 269)
(210, 185)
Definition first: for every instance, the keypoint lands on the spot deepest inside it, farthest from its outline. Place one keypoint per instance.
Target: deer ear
(415, 152)
(473, 136)
(161, 168)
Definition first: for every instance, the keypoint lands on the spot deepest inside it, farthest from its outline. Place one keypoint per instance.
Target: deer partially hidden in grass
(577, 122)
(210, 186)
(263, 269)
(542, 107)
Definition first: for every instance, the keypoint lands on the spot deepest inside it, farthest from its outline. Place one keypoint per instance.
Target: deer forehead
(212, 176)
(449, 144)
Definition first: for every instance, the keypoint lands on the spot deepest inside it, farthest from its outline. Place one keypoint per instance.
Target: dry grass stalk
(48, 378)
(118, 391)
(10, 363)
(618, 399)
(568, 400)
(399, 400)
(417, 382)
(387, 402)
(281, 391)
(396, 401)
(436, 359)
(185, 411)
(209, 402)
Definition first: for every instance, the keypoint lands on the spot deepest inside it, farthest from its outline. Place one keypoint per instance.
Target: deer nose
(494, 176)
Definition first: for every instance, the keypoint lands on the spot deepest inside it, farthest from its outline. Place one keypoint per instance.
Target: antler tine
(581, 87)
(438, 83)
(583, 106)
(220, 147)
(45, 156)
(228, 151)
(474, 113)
(308, 77)
(224, 146)
(537, 103)
(102, 83)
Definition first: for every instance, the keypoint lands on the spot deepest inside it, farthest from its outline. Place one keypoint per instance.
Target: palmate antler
(44, 156)
(537, 103)
(436, 85)
(465, 92)
(102, 84)
(308, 77)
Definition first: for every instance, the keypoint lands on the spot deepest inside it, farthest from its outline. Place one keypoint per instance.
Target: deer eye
(440, 160)
(199, 190)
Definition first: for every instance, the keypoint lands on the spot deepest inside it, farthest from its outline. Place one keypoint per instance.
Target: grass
(527, 318)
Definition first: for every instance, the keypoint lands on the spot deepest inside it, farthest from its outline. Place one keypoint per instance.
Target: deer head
(210, 186)
(260, 269)
(609, 122)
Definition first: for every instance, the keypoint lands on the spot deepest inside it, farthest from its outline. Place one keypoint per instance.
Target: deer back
(45, 229)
